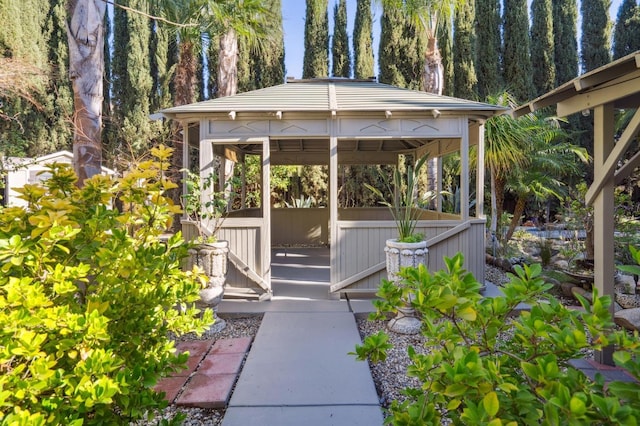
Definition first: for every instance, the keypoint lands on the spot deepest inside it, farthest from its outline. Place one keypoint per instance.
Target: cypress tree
(517, 62)
(341, 57)
(316, 40)
(363, 41)
(60, 93)
(132, 81)
(161, 61)
(445, 41)
(400, 50)
(595, 44)
(626, 35)
(463, 53)
(488, 47)
(542, 47)
(30, 121)
(565, 24)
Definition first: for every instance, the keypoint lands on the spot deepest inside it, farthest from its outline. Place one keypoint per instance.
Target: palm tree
(248, 19)
(85, 36)
(548, 162)
(505, 139)
(429, 14)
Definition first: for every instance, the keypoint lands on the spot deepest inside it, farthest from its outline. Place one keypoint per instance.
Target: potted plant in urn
(409, 249)
(207, 208)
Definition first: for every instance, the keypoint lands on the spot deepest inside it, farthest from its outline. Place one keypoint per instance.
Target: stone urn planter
(213, 259)
(400, 255)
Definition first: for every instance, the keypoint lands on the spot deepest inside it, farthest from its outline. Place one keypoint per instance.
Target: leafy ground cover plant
(89, 295)
(488, 365)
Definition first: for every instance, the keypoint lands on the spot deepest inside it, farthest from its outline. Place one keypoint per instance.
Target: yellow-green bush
(89, 296)
(487, 365)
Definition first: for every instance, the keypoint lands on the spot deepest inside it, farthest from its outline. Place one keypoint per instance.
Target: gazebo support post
(479, 134)
(603, 207)
(333, 207)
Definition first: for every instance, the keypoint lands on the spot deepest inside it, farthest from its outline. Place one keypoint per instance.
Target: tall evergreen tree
(488, 47)
(162, 60)
(517, 62)
(565, 28)
(626, 35)
(132, 81)
(463, 53)
(595, 44)
(35, 101)
(363, 41)
(542, 47)
(59, 92)
(445, 41)
(316, 40)
(400, 50)
(341, 56)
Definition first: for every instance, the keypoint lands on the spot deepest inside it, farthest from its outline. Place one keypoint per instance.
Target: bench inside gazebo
(337, 123)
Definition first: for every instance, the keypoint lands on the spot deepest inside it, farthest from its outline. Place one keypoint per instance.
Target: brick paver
(212, 370)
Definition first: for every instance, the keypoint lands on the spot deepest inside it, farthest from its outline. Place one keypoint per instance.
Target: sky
(293, 12)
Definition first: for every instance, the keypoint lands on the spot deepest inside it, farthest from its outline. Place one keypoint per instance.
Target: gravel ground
(236, 327)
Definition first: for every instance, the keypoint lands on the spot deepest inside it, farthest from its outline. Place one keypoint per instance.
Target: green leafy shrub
(89, 295)
(488, 366)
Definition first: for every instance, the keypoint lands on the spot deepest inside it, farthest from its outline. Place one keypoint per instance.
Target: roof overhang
(617, 82)
(331, 98)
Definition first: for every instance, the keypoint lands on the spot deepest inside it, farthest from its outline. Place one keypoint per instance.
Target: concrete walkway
(298, 370)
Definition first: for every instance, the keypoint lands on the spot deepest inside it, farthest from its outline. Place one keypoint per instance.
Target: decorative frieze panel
(274, 128)
(405, 127)
(439, 127)
(237, 128)
(298, 128)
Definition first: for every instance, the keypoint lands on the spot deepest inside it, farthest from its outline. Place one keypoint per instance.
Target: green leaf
(491, 404)
(577, 406)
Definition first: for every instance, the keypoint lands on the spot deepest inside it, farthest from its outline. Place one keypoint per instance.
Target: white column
(185, 162)
(266, 212)
(480, 173)
(464, 170)
(333, 202)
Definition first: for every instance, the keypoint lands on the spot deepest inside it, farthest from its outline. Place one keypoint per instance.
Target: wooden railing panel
(361, 248)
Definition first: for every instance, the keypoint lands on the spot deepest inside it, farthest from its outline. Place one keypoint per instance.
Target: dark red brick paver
(210, 375)
(207, 391)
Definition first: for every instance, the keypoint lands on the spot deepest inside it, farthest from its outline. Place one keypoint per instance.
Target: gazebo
(600, 92)
(338, 122)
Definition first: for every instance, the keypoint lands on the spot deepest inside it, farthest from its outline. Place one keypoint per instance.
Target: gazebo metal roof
(334, 95)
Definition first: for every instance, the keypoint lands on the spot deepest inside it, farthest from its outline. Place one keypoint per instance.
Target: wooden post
(464, 170)
(603, 212)
(480, 172)
(266, 214)
(333, 205)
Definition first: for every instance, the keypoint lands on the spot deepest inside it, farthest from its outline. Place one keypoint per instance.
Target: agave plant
(405, 207)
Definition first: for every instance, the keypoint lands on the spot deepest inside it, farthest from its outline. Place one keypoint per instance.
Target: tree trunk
(433, 72)
(521, 203)
(85, 36)
(228, 64)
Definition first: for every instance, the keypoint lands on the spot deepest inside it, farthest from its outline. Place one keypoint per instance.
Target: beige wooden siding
(292, 226)
(360, 258)
(247, 268)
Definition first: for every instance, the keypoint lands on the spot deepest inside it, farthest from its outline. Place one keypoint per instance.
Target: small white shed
(336, 122)
(24, 170)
